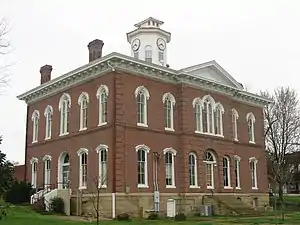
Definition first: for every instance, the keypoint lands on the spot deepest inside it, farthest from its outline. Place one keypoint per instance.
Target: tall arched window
(64, 106)
(35, 131)
(83, 103)
(142, 95)
(210, 161)
(48, 117)
(34, 163)
(169, 103)
(219, 111)
(198, 104)
(47, 171)
(208, 114)
(102, 95)
(226, 172)
(235, 117)
(102, 152)
(83, 162)
(251, 121)
(193, 170)
(253, 168)
(170, 154)
(148, 53)
(237, 161)
(142, 165)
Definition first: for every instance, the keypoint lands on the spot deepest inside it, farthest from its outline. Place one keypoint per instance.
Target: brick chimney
(45, 72)
(95, 49)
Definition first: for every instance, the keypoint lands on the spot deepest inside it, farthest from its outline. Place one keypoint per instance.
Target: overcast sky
(256, 41)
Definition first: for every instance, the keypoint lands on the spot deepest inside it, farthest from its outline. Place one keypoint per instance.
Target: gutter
(26, 136)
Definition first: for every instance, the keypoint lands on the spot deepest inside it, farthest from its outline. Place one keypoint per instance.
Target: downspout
(26, 136)
(113, 194)
(155, 183)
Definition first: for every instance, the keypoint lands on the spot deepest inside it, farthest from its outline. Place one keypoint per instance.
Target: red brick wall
(122, 135)
(19, 172)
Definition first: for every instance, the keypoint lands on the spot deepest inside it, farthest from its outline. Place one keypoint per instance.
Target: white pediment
(212, 71)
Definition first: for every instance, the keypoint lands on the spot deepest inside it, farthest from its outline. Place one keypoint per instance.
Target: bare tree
(282, 130)
(4, 50)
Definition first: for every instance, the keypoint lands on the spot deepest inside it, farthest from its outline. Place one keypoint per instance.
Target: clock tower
(149, 42)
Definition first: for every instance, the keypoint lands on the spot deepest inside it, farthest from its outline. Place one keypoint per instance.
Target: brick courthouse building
(148, 132)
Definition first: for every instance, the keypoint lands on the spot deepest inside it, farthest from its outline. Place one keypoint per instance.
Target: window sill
(238, 188)
(210, 188)
(254, 188)
(102, 186)
(34, 142)
(82, 188)
(82, 129)
(194, 186)
(209, 134)
(170, 186)
(228, 188)
(142, 186)
(169, 129)
(47, 138)
(102, 124)
(64, 134)
(142, 125)
(252, 142)
(235, 139)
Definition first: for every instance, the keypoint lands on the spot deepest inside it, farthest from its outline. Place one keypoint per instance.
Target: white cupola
(149, 41)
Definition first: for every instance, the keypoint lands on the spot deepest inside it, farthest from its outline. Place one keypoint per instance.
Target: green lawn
(24, 216)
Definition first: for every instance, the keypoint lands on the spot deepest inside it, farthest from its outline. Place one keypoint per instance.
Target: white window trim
(148, 49)
(48, 110)
(228, 172)
(212, 163)
(101, 89)
(147, 95)
(209, 99)
(235, 124)
(64, 97)
(198, 101)
(252, 118)
(147, 150)
(195, 171)
(80, 152)
(173, 102)
(34, 160)
(98, 150)
(82, 97)
(254, 160)
(238, 160)
(221, 108)
(45, 159)
(173, 152)
(35, 130)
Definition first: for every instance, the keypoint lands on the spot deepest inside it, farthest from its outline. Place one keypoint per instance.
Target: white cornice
(117, 61)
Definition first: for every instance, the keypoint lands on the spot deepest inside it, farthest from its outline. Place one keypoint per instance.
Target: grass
(24, 215)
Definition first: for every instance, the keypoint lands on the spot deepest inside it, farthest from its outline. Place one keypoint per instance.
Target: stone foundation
(139, 204)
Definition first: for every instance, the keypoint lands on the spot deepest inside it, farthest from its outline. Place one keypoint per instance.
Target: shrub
(57, 205)
(123, 217)
(19, 193)
(3, 209)
(180, 217)
(153, 216)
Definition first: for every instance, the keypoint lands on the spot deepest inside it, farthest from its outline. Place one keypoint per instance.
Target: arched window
(208, 114)
(193, 170)
(235, 117)
(210, 161)
(34, 163)
(48, 117)
(253, 168)
(47, 171)
(218, 119)
(83, 161)
(64, 106)
(102, 94)
(142, 167)
(142, 95)
(35, 131)
(170, 154)
(237, 161)
(169, 102)
(102, 152)
(198, 104)
(148, 53)
(83, 103)
(226, 173)
(251, 121)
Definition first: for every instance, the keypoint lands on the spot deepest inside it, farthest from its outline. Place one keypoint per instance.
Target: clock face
(161, 44)
(136, 44)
